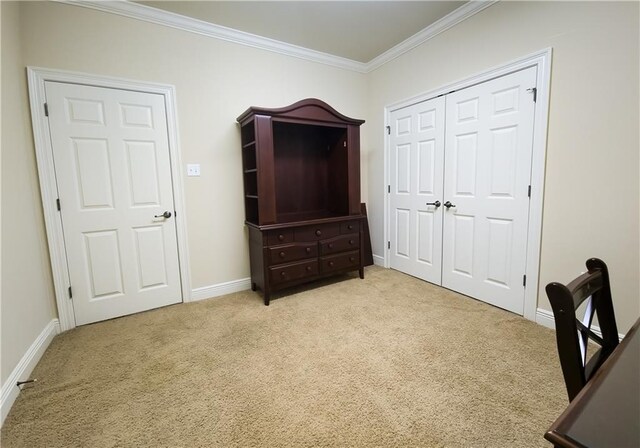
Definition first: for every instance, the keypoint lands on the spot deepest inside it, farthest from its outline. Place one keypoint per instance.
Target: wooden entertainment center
(301, 168)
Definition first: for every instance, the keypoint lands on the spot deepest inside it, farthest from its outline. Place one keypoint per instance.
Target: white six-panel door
(416, 161)
(471, 150)
(489, 136)
(113, 174)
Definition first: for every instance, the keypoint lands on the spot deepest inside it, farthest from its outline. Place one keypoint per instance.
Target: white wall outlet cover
(193, 169)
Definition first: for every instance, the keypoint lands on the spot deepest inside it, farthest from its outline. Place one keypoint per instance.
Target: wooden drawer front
(279, 236)
(292, 252)
(294, 271)
(340, 244)
(338, 262)
(315, 233)
(349, 227)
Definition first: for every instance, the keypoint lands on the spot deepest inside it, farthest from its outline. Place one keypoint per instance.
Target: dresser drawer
(293, 271)
(349, 227)
(279, 236)
(292, 252)
(315, 233)
(340, 261)
(340, 244)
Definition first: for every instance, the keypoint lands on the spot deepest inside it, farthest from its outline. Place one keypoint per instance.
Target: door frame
(37, 77)
(542, 61)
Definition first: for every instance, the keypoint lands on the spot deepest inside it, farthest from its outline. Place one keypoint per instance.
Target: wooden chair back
(572, 334)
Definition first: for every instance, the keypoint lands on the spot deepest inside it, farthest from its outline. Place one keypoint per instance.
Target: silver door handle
(449, 205)
(436, 204)
(165, 215)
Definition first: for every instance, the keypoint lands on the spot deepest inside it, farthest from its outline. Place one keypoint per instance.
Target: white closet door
(489, 137)
(112, 167)
(416, 156)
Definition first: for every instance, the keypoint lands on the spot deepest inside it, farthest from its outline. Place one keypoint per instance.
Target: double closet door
(460, 168)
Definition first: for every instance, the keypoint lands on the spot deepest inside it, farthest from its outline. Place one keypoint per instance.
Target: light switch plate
(193, 169)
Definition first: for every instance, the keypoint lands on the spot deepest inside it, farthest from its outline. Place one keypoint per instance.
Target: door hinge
(388, 244)
(524, 280)
(70, 293)
(534, 90)
(46, 110)
(529, 191)
(388, 130)
(388, 188)
(58, 203)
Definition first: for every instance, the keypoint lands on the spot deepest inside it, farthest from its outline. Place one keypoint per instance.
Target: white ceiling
(356, 30)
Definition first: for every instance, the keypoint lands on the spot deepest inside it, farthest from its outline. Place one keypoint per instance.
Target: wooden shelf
(307, 216)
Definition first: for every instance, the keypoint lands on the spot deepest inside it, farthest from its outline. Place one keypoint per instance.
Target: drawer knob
(330, 245)
(281, 237)
(349, 227)
(331, 264)
(283, 274)
(282, 254)
(308, 250)
(351, 241)
(309, 268)
(318, 233)
(352, 259)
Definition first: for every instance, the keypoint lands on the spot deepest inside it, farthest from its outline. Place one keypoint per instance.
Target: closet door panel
(416, 170)
(489, 139)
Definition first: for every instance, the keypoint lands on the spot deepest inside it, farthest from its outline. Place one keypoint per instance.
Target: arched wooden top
(311, 109)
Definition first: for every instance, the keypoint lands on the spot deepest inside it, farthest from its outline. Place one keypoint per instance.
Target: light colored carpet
(389, 361)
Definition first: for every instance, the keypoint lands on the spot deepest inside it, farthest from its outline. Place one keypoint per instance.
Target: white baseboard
(10, 390)
(545, 318)
(378, 260)
(207, 292)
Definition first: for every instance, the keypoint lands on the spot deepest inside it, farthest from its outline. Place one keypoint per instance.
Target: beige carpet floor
(389, 361)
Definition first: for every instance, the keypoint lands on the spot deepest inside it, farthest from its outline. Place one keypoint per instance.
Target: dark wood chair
(573, 334)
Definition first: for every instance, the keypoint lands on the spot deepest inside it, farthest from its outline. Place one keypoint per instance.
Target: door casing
(541, 60)
(44, 156)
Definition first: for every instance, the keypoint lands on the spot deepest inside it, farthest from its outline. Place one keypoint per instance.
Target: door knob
(449, 205)
(436, 204)
(165, 215)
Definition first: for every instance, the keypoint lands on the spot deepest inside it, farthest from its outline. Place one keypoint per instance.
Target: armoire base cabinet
(301, 168)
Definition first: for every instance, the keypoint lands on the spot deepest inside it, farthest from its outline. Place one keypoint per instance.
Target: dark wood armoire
(301, 168)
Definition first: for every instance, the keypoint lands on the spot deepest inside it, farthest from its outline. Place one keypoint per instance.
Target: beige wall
(27, 304)
(591, 202)
(215, 82)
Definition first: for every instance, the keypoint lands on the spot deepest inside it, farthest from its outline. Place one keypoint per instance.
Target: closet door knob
(449, 205)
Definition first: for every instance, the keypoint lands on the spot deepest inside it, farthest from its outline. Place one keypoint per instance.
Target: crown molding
(453, 18)
(177, 21)
(165, 18)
